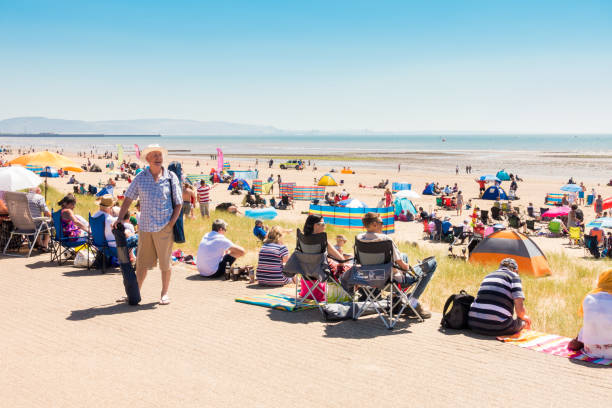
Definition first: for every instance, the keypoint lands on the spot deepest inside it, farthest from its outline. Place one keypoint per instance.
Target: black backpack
(457, 316)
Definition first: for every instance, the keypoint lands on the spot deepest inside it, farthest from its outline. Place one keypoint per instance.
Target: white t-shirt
(108, 227)
(211, 251)
(596, 333)
(129, 227)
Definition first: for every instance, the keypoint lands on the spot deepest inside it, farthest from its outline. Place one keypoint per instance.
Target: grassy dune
(552, 302)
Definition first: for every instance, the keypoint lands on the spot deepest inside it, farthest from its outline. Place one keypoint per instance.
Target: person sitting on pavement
(374, 232)
(215, 251)
(595, 337)
(499, 296)
(260, 230)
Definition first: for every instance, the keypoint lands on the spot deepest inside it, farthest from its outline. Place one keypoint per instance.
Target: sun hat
(152, 148)
(107, 201)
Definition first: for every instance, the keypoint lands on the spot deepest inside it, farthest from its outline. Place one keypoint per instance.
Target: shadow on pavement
(91, 272)
(116, 308)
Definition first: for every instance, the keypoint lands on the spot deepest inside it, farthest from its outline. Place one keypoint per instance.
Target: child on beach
(340, 242)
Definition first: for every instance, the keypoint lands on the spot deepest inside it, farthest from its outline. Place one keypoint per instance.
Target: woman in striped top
(499, 295)
(272, 256)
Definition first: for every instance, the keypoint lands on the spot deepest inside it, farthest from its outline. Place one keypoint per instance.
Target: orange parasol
(47, 159)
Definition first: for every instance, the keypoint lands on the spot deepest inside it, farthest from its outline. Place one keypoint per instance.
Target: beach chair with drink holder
(575, 236)
(64, 248)
(309, 261)
(387, 287)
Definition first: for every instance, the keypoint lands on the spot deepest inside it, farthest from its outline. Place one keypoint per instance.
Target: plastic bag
(84, 258)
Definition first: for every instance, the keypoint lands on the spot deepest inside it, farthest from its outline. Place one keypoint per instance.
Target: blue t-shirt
(259, 232)
(446, 226)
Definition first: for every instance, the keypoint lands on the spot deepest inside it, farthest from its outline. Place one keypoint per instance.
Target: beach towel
(550, 344)
(277, 301)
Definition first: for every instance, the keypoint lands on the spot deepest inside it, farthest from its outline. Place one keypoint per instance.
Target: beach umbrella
(17, 178)
(352, 203)
(489, 177)
(603, 222)
(571, 188)
(409, 194)
(557, 212)
(47, 159)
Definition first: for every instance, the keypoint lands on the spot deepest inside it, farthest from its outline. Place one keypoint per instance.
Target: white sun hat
(152, 148)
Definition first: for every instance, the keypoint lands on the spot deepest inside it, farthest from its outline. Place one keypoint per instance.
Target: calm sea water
(336, 144)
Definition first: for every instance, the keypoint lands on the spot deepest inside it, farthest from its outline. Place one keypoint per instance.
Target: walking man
(204, 199)
(159, 192)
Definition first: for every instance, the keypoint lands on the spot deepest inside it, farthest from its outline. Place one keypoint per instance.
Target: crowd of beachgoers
(155, 197)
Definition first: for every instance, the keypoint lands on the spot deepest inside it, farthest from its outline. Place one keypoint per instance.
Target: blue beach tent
(492, 192)
(429, 190)
(49, 172)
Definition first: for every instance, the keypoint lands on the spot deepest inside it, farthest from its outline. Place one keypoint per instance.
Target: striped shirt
(204, 194)
(156, 203)
(493, 308)
(270, 264)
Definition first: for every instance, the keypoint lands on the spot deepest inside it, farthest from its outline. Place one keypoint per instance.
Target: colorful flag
(219, 160)
(137, 149)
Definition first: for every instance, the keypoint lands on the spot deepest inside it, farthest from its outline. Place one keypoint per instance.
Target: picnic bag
(457, 316)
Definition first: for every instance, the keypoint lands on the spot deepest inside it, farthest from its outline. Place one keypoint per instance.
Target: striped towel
(279, 301)
(550, 344)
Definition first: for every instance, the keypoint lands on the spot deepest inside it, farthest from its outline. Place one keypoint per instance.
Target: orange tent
(511, 244)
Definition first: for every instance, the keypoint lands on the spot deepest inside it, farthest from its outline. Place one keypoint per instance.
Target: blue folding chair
(63, 247)
(99, 241)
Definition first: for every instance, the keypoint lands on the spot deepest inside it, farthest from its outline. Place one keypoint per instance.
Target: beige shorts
(154, 246)
(204, 209)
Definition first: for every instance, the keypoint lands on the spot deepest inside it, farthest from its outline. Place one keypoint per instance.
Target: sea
(544, 155)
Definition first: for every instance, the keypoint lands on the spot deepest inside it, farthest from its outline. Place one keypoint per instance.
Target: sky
(511, 66)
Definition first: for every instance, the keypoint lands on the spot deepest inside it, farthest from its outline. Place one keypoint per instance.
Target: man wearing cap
(499, 296)
(159, 192)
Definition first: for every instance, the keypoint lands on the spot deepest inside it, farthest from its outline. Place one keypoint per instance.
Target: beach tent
(502, 175)
(492, 192)
(429, 189)
(511, 244)
(49, 172)
(571, 188)
(240, 183)
(327, 180)
(403, 204)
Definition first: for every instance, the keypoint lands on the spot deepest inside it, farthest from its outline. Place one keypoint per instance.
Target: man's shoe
(424, 313)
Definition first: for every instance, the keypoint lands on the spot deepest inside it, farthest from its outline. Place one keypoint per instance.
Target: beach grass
(552, 302)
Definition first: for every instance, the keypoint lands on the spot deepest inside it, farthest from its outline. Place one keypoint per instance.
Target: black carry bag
(178, 230)
(457, 317)
(127, 270)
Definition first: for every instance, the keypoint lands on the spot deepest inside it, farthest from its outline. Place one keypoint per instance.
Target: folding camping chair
(98, 240)
(426, 232)
(496, 213)
(591, 245)
(64, 248)
(575, 235)
(530, 225)
(505, 207)
(374, 273)
(514, 221)
(484, 216)
(25, 226)
(438, 235)
(309, 260)
(439, 201)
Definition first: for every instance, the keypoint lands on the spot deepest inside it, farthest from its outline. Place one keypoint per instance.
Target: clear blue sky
(541, 66)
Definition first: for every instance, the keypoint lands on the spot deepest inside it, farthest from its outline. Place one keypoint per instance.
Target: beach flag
(219, 160)
(137, 150)
(119, 154)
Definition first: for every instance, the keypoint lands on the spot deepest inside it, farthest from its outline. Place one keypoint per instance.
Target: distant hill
(165, 127)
